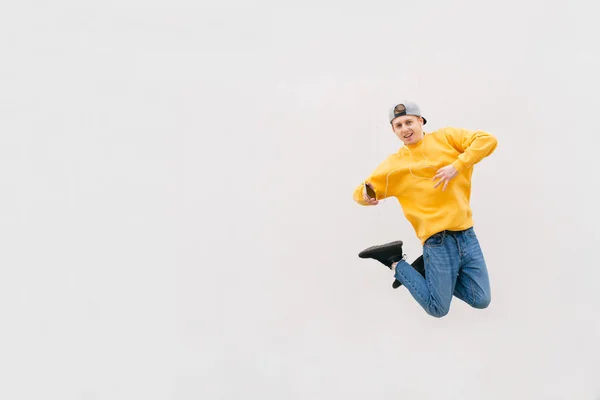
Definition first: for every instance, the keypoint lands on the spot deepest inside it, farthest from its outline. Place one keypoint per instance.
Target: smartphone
(370, 192)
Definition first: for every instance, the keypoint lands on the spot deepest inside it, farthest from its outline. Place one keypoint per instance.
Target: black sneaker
(387, 253)
(419, 265)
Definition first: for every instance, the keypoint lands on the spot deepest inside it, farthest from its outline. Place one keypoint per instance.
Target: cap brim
(392, 120)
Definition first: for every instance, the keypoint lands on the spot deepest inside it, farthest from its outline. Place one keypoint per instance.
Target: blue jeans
(454, 266)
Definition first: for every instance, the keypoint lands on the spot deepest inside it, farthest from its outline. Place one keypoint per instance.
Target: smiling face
(408, 128)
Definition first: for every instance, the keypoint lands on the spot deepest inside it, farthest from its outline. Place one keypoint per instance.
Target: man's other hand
(444, 175)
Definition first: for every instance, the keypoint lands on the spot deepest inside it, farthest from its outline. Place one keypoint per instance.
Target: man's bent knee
(437, 312)
(482, 302)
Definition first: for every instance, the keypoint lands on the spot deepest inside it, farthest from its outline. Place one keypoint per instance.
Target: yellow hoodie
(408, 175)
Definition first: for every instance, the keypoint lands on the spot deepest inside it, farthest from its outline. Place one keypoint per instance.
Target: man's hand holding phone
(369, 195)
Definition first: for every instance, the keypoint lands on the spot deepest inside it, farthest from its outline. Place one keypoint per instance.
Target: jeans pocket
(470, 233)
(435, 240)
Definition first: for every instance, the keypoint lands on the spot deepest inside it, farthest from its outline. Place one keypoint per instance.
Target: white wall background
(176, 218)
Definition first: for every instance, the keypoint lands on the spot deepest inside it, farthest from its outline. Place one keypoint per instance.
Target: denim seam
(432, 298)
(472, 302)
(408, 282)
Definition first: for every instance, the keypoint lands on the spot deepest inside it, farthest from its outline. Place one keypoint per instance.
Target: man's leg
(434, 291)
(418, 265)
(473, 284)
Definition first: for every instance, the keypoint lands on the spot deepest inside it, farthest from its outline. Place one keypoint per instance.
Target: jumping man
(430, 176)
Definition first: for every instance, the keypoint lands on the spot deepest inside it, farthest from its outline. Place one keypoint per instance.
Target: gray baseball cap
(406, 108)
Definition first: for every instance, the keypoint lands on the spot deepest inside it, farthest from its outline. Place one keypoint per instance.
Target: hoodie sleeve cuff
(458, 165)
